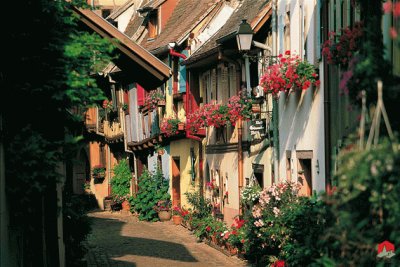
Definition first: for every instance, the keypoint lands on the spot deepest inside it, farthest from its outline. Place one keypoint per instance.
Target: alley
(123, 240)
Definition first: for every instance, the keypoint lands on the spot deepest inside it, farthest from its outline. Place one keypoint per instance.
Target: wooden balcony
(113, 132)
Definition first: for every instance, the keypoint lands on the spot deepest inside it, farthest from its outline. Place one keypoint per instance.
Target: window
(232, 81)
(102, 152)
(105, 13)
(286, 31)
(152, 25)
(288, 166)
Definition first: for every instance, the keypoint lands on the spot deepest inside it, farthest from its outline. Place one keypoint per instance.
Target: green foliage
(75, 214)
(365, 206)
(48, 72)
(121, 181)
(152, 189)
(201, 207)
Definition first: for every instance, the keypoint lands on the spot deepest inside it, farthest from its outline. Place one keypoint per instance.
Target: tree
(45, 76)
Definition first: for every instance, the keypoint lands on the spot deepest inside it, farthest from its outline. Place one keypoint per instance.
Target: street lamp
(244, 36)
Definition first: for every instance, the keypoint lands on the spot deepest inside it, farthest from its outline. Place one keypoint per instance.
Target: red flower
(387, 7)
(287, 52)
(393, 33)
(208, 228)
(279, 263)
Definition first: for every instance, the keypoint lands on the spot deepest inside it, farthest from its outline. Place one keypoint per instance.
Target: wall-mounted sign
(257, 129)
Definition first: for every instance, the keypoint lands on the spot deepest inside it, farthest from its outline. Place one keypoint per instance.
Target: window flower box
(171, 126)
(153, 100)
(289, 74)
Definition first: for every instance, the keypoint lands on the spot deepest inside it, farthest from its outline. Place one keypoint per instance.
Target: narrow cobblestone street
(122, 240)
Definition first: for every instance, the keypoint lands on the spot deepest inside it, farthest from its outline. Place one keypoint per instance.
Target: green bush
(121, 181)
(152, 188)
(76, 228)
(201, 207)
(365, 206)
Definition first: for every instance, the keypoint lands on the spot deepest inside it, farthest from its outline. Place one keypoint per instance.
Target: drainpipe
(172, 52)
(275, 106)
(327, 103)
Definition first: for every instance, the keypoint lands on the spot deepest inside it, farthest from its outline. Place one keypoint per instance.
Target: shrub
(365, 206)
(152, 189)
(121, 181)
(201, 207)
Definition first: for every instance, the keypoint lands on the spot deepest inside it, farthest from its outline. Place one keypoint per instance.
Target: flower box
(181, 126)
(200, 132)
(161, 103)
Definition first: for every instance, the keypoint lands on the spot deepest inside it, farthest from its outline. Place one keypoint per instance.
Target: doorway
(304, 177)
(304, 174)
(176, 182)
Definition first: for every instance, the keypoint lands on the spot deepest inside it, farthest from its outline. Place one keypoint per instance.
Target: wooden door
(176, 182)
(304, 177)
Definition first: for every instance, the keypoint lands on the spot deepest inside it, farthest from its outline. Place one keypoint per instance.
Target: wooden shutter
(140, 95)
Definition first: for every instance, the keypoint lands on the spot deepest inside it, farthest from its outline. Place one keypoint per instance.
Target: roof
(120, 10)
(152, 4)
(186, 15)
(140, 64)
(253, 10)
(184, 18)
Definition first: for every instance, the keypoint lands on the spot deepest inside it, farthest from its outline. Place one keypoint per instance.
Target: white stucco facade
(301, 114)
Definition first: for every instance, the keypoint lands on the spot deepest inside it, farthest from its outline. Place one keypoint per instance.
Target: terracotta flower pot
(181, 126)
(164, 215)
(177, 219)
(126, 206)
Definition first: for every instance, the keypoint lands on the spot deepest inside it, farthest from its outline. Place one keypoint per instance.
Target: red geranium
(289, 73)
(340, 47)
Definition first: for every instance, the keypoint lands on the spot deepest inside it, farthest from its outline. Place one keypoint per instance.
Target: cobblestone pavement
(122, 240)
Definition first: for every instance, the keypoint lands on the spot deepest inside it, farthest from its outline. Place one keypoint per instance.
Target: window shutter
(140, 95)
(182, 75)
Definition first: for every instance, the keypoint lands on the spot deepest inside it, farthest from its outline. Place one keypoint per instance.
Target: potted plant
(120, 184)
(170, 126)
(176, 215)
(98, 171)
(160, 150)
(125, 108)
(163, 208)
(154, 99)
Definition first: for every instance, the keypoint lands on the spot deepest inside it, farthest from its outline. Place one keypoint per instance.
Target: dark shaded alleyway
(122, 240)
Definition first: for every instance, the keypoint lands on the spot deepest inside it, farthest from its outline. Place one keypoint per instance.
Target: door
(304, 177)
(176, 182)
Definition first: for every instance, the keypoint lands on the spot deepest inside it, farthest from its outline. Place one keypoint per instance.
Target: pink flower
(393, 33)
(396, 10)
(387, 7)
(208, 228)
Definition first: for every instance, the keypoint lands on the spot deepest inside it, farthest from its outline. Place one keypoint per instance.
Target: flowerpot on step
(177, 219)
(164, 215)
(126, 206)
